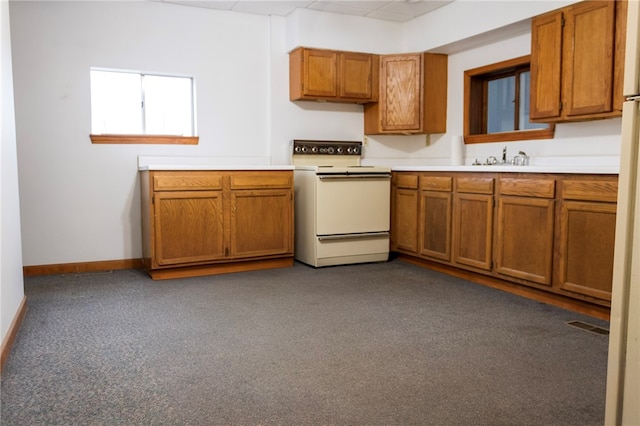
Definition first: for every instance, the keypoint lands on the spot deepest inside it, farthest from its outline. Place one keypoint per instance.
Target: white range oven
(342, 209)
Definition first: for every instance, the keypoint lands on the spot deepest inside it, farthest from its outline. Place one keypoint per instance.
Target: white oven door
(353, 203)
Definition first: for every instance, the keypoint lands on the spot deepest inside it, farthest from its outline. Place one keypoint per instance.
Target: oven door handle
(352, 236)
(381, 176)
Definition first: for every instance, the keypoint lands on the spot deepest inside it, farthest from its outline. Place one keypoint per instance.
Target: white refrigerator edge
(623, 370)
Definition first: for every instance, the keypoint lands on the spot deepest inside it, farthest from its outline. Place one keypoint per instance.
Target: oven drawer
(372, 244)
(351, 205)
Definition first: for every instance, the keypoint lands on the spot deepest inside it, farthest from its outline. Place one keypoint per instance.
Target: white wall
(311, 28)
(11, 281)
(80, 202)
(302, 120)
(468, 20)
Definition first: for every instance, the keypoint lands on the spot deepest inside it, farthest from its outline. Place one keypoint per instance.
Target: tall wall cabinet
(413, 95)
(577, 62)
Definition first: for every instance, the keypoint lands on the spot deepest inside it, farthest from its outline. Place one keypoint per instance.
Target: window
(129, 107)
(496, 104)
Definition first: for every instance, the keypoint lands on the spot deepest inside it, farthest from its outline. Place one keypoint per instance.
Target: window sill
(145, 139)
(521, 135)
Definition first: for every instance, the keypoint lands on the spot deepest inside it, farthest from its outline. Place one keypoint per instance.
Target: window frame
(106, 138)
(145, 138)
(475, 123)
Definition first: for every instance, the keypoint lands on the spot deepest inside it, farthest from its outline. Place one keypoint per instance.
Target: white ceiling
(389, 10)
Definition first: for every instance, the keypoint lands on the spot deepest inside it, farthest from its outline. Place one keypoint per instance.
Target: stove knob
(296, 149)
(340, 149)
(356, 150)
(314, 149)
(304, 149)
(330, 150)
(350, 150)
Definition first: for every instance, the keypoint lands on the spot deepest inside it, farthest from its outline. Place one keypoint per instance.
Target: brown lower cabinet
(404, 212)
(473, 221)
(525, 228)
(549, 232)
(436, 202)
(586, 236)
(206, 222)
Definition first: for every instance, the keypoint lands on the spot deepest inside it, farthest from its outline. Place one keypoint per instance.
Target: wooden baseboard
(7, 342)
(74, 268)
(565, 302)
(159, 274)
(220, 268)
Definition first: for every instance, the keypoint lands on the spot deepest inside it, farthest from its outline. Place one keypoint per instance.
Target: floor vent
(589, 327)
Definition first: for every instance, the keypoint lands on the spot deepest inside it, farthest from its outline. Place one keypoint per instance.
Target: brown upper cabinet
(334, 76)
(413, 95)
(577, 62)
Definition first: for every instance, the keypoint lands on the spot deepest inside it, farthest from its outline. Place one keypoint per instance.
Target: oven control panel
(309, 147)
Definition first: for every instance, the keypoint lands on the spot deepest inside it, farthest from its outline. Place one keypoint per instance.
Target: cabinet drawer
(541, 188)
(407, 181)
(189, 181)
(590, 190)
(436, 183)
(260, 180)
(475, 185)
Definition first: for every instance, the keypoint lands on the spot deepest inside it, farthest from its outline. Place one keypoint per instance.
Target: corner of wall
(11, 278)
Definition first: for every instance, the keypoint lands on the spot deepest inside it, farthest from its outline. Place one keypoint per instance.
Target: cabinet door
(586, 248)
(401, 94)
(524, 240)
(435, 224)
(588, 58)
(261, 223)
(546, 63)
(188, 227)
(620, 47)
(434, 93)
(473, 230)
(320, 73)
(356, 75)
(404, 224)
